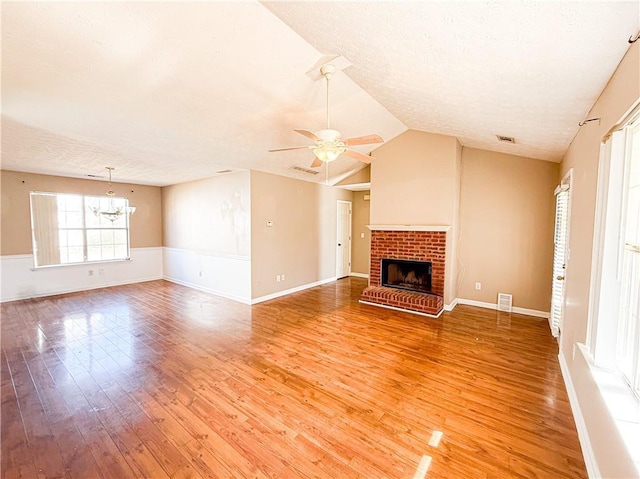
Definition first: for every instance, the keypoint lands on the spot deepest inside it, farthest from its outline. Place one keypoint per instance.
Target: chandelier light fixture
(112, 212)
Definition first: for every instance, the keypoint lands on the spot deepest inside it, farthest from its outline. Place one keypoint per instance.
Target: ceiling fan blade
(359, 156)
(363, 140)
(291, 148)
(308, 134)
(316, 162)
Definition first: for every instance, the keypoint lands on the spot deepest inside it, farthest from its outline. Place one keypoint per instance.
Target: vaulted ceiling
(176, 91)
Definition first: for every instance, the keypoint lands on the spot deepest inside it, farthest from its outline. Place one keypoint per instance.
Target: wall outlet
(283, 277)
(101, 272)
(278, 277)
(478, 286)
(90, 272)
(361, 235)
(200, 273)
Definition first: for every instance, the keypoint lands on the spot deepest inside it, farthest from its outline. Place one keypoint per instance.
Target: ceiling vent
(304, 170)
(506, 139)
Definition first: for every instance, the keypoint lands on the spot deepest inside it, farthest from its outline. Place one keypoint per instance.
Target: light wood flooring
(156, 380)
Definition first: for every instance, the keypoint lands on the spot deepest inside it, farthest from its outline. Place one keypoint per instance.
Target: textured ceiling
(171, 92)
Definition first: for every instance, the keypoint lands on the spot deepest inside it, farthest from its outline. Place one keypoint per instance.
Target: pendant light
(112, 212)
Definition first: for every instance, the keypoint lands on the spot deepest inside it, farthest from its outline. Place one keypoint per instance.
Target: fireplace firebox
(405, 274)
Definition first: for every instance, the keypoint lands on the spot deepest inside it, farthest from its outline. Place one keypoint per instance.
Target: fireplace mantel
(409, 227)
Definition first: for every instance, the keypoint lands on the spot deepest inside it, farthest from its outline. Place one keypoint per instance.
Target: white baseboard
(583, 436)
(451, 306)
(401, 309)
(359, 275)
(206, 289)
(292, 290)
(20, 280)
(515, 309)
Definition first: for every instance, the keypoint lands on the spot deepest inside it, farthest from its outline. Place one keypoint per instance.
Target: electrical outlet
(283, 277)
(101, 272)
(200, 273)
(361, 235)
(278, 277)
(478, 286)
(90, 272)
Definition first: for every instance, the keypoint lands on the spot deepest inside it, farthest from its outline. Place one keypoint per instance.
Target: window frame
(605, 312)
(87, 201)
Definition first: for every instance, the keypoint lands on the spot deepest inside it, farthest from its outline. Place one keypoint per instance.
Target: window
(628, 334)
(65, 229)
(615, 311)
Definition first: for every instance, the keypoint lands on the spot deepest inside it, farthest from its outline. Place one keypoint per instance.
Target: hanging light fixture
(112, 212)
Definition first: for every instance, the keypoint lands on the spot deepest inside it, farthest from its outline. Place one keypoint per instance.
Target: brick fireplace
(419, 243)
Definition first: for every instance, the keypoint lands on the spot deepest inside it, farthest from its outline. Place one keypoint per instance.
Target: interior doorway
(560, 253)
(343, 239)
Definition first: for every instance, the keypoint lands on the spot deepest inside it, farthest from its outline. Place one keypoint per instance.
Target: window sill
(622, 404)
(88, 263)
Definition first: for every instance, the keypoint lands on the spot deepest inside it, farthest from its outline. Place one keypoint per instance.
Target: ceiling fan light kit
(329, 144)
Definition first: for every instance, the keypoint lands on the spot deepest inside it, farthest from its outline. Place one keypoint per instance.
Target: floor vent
(505, 302)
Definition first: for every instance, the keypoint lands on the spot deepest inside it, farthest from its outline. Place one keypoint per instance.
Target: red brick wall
(409, 245)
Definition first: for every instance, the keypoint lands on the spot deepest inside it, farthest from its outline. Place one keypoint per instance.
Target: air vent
(505, 302)
(506, 139)
(304, 170)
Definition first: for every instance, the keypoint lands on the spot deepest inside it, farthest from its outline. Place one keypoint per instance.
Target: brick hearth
(413, 246)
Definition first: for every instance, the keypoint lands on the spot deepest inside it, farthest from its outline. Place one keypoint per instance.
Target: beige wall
(622, 92)
(507, 223)
(301, 244)
(413, 180)
(145, 226)
(360, 176)
(210, 215)
(360, 247)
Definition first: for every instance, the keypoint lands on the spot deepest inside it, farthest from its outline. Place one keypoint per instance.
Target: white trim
(355, 186)
(359, 275)
(452, 305)
(583, 435)
(482, 304)
(348, 233)
(409, 227)
(209, 253)
(285, 292)
(401, 309)
(207, 290)
(10, 257)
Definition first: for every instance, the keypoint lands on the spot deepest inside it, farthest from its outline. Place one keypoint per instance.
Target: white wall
(224, 275)
(19, 280)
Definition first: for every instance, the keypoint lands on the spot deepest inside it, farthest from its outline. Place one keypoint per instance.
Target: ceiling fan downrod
(328, 70)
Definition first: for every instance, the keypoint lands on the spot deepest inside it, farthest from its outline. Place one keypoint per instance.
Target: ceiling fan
(329, 143)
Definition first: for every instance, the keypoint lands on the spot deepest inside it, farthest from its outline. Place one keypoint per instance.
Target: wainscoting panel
(19, 279)
(225, 275)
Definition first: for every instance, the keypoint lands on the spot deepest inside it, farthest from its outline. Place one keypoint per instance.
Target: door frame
(338, 204)
(566, 185)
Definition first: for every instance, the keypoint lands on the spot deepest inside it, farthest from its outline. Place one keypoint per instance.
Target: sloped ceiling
(172, 92)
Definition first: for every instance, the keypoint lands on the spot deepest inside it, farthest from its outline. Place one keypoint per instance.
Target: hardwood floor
(156, 380)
